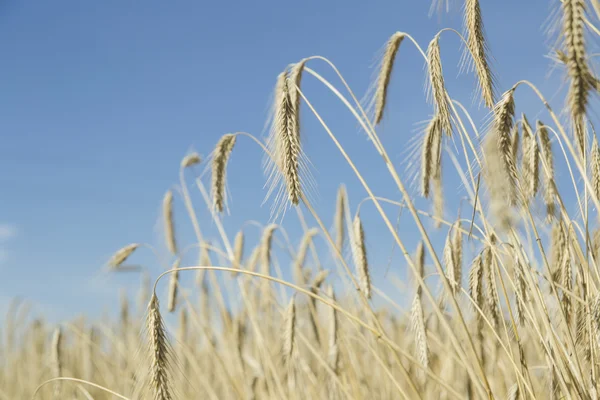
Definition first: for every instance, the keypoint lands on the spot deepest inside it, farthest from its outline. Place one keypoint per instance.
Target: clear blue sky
(99, 101)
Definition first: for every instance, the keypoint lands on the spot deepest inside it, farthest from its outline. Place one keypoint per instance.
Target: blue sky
(99, 101)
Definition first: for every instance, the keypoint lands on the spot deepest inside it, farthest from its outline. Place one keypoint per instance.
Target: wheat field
(506, 307)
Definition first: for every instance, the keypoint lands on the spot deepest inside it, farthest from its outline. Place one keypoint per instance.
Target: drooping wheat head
(477, 46)
(220, 157)
(385, 74)
(437, 85)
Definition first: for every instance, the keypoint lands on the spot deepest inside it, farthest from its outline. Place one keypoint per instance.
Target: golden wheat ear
(385, 74)
(359, 253)
(437, 86)
(576, 60)
(169, 223)
(286, 166)
(220, 157)
(477, 48)
(159, 353)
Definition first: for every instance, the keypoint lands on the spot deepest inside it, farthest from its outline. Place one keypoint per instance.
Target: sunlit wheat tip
(385, 74)
(219, 169)
(169, 224)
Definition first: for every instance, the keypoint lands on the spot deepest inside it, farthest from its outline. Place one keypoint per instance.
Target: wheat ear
(122, 255)
(219, 169)
(159, 351)
(169, 224)
(173, 286)
(438, 87)
(385, 74)
(477, 46)
(238, 250)
(359, 252)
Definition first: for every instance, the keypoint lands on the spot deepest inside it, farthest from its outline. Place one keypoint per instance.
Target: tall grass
(526, 325)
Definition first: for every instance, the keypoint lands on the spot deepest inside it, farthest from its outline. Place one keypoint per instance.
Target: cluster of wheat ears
(524, 324)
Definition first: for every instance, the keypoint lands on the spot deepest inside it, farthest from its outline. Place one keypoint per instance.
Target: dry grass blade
(219, 168)
(385, 74)
(169, 224)
(438, 87)
(359, 252)
(477, 46)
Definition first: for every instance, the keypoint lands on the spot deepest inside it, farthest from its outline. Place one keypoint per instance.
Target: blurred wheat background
(499, 295)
